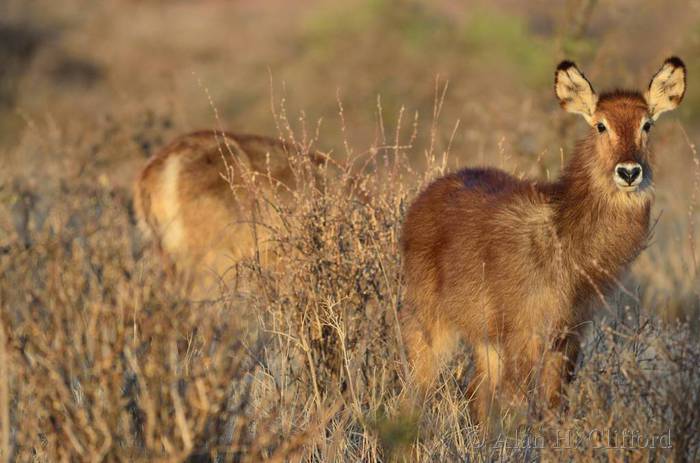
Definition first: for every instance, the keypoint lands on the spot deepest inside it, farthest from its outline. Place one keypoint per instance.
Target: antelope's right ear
(575, 93)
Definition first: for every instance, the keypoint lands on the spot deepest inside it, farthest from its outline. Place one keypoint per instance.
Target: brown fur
(514, 267)
(200, 223)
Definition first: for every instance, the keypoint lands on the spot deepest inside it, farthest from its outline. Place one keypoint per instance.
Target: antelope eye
(647, 126)
(601, 127)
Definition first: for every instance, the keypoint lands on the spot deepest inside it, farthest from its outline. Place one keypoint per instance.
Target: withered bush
(103, 358)
(336, 283)
(106, 358)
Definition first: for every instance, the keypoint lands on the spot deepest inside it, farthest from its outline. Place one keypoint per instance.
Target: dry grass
(107, 360)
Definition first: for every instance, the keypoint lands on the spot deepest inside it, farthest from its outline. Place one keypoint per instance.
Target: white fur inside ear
(666, 89)
(575, 93)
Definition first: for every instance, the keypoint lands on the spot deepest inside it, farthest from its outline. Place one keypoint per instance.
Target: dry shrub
(634, 384)
(106, 359)
(336, 286)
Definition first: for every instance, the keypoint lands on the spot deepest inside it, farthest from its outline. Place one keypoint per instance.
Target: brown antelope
(515, 267)
(198, 199)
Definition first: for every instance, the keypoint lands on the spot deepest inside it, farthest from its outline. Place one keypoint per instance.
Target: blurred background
(91, 89)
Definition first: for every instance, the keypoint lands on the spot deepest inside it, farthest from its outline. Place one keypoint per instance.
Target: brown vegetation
(107, 358)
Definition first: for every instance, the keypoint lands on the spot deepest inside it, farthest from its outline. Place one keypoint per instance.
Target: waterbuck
(515, 267)
(204, 199)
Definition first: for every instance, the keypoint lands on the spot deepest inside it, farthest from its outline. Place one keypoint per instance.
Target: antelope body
(199, 200)
(515, 267)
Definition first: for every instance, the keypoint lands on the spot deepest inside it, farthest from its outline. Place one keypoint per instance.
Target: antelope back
(199, 199)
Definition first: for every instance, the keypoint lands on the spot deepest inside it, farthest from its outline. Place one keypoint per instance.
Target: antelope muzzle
(628, 175)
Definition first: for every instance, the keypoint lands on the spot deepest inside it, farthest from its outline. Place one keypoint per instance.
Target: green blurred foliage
(410, 23)
(492, 37)
(414, 29)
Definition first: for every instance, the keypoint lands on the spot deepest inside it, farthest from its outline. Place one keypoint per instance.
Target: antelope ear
(574, 91)
(666, 88)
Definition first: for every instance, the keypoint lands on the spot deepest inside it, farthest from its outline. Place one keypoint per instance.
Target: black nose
(629, 175)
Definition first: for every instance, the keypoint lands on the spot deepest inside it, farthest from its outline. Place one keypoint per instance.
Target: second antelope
(515, 267)
(205, 200)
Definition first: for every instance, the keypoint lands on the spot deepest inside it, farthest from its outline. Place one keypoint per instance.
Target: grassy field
(104, 358)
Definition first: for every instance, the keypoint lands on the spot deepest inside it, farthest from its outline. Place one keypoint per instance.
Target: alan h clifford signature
(570, 438)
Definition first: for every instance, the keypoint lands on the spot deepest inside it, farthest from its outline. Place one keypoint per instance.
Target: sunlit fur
(200, 220)
(515, 267)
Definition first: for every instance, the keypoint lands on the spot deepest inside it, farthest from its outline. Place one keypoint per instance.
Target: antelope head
(621, 122)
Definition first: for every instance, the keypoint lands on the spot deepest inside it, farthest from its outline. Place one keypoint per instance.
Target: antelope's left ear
(666, 88)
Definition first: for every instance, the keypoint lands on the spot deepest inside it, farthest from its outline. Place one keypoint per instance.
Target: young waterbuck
(206, 200)
(515, 267)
